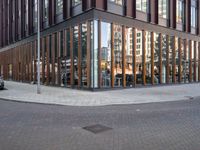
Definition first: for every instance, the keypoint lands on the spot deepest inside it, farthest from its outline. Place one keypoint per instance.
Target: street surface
(153, 126)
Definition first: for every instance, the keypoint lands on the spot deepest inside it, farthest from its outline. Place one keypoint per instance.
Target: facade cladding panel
(100, 44)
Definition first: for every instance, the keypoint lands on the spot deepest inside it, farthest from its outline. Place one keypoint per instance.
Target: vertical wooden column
(79, 56)
(88, 54)
(71, 56)
(144, 57)
(134, 37)
(190, 61)
(124, 55)
(31, 61)
(160, 57)
(99, 54)
(152, 57)
(43, 59)
(174, 60)
(47, 59)
(167, 59)
(195, 56)
(180, 60)
(35, 61)
(112, 55)
(53, 58)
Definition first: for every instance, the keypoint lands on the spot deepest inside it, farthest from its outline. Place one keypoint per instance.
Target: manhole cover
(97, 128)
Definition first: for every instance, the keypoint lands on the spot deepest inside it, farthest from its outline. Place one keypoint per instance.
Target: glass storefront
(97, 54)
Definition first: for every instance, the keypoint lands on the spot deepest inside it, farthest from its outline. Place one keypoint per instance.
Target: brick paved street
(156, 126)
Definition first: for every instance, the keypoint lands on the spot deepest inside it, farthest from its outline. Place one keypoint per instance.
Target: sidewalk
(62, 96)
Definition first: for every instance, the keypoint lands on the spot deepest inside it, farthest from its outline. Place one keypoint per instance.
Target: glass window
(45, 10)
(84, 68)
(117, 30)
(163, 8)
(156, 58)
(94, 54)
(76, 2)
(148, 57)
(142, 5)
(75, 55)
(105, 54)
(59, 6)
(139, 56)
(176, 59)
(194, 14)
(180, 15)
(192, 61)
(187, 61)
(68, 59)
(35, 15)
(164, 58)
(129, 57)
(182, 67)
(171, 42)
(119, 2)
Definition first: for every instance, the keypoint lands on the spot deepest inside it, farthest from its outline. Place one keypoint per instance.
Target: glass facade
(97, 54)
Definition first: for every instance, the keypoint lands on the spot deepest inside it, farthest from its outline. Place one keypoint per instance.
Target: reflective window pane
(117, 30)
(129, 56)
(105, 54)
(148, 57)
(142, 5)
(139, 56)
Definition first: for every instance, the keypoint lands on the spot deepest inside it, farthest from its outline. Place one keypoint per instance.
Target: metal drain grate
(97, 128)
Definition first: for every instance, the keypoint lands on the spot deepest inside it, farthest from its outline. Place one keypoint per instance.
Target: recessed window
(59, 6)
(45, 10)
(142, 5)
(194, 13)
(180, 11)
(163, 8)
(76, 2)
(119, 2)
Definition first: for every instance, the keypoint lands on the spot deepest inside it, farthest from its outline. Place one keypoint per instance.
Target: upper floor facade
(19, 17)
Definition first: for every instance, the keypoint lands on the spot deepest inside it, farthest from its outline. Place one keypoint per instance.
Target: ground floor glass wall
(99, 54)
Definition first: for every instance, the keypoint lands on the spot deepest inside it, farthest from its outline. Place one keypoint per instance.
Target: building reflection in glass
(105, 54)
(84, 68)
(164, 58)
(171, 42)
(148, 57)
(139, 57)
(129, 56)
(117, 30)
(156, 58)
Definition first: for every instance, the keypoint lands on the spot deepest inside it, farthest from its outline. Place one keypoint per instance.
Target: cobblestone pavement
(55, 95)
(155, 126)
